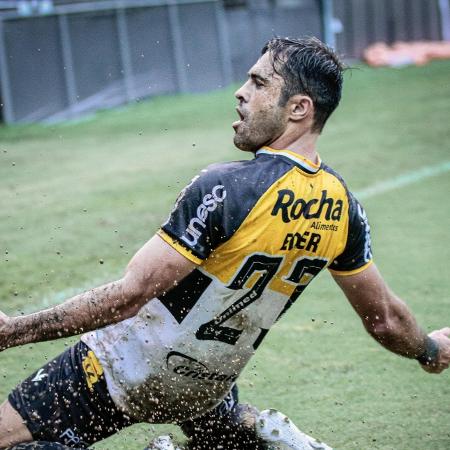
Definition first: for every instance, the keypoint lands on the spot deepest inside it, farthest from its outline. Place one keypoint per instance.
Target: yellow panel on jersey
(300, 215)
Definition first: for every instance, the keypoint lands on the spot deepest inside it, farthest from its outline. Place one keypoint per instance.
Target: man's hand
(441, 337)
(4, 331)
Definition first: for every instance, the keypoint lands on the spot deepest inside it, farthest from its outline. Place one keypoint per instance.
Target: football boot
(278, 432)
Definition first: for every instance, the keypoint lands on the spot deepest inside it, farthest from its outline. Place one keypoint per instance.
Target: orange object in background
(406, 53)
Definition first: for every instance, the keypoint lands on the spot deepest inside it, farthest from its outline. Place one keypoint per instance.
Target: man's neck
(304, 145)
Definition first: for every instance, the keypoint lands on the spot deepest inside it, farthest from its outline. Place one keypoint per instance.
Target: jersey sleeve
(195, 224)
(357, 254)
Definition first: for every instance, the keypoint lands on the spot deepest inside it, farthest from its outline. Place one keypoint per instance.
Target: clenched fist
(5, 331)
(441, 337)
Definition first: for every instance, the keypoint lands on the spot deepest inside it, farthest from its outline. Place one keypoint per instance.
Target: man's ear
(300, 107)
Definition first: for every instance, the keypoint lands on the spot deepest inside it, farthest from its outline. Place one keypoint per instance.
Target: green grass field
(78, 199)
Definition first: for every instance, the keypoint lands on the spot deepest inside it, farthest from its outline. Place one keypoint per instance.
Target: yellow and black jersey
(260, 231)
(297, 216)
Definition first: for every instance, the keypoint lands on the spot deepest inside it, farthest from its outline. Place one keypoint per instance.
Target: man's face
(262, 118)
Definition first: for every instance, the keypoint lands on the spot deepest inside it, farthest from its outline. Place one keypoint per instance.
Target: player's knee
(12, 429)
(234, 429)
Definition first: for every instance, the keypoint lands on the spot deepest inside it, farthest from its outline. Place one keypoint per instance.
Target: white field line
(403, 180)
(369, 192)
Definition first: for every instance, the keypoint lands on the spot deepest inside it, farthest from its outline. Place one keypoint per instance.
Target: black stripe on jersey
(260, 338)
(183, 297)
(357, 251)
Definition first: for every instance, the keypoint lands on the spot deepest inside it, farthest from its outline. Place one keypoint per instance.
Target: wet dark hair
(309, 67)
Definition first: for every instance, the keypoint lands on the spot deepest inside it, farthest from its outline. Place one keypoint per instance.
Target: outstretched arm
(388, 319)
(154, 269)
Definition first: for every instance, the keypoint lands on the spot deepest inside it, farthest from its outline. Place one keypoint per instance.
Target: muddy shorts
(67, 401)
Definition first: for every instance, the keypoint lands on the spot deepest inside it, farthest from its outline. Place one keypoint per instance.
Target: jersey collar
(304, 163)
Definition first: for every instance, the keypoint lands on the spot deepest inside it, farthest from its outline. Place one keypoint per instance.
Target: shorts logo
(210, 203)
(92, 369)
(69, 437)
(189, 367)
(40, 375)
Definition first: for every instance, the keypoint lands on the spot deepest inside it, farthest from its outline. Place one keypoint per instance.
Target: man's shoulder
(253, 173)
(326, 168)
(229, 168)
(228, 175)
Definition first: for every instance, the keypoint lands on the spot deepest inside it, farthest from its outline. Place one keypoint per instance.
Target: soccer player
(167, 342)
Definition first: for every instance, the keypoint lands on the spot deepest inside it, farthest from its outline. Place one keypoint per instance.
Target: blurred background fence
(60, 59)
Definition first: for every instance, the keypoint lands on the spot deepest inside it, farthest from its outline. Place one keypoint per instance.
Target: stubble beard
(259, 130)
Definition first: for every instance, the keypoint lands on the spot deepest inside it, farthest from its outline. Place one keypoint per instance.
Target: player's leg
(66, 401)
(227, 426)
(12, 428)
(234, 426)
(278, 431)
